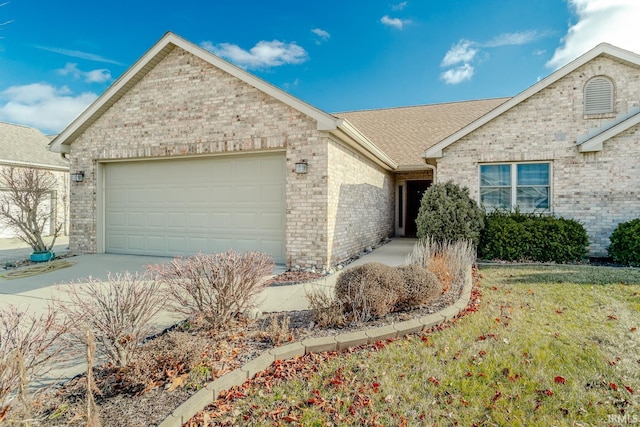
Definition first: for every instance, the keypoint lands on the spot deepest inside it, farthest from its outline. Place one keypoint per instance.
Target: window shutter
(598, 96)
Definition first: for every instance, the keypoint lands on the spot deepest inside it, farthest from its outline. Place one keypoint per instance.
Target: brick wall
(599, 189)
(361, 202)
(186, 107)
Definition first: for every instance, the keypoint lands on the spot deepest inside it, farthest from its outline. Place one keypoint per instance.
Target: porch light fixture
(77, 176)
(301, 166)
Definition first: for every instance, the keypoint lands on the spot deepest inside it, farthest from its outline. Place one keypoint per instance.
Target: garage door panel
(180, 207)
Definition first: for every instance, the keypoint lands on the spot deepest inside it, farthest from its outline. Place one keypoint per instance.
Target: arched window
(598, 96)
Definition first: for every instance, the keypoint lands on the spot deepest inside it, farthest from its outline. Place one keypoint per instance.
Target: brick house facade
(593, 159)
(181, 109)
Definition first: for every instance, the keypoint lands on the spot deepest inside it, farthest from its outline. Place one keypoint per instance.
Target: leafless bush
(449, 261)
(420, 285)
(28, 346)
(215, 286)
(23, 205)
(326, 311)
(369, 290)
(118, 311)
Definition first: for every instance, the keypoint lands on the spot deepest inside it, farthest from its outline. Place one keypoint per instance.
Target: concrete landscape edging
(209, 393)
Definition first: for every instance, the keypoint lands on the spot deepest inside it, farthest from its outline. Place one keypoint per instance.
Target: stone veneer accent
(184, 106)
(599, 189)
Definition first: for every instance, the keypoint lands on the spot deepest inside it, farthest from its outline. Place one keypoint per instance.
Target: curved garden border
(210, 392)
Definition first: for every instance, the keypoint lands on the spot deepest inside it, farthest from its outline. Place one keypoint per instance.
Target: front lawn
(547, 346)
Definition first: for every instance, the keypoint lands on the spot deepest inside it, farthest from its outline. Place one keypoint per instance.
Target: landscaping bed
(548, 345)
(139, 396)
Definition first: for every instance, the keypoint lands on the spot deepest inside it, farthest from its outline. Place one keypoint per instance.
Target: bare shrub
(449, 261)
(23, 204)
(369, 290)
(420, 285)
(28, 346)
(325, 310)
(118, 311)
(215, 286)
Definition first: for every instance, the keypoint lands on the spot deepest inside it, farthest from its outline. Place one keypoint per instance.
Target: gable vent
(598, 96)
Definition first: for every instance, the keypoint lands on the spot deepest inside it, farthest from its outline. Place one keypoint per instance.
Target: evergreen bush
(514, 236)
(625, 243)
(447, 214)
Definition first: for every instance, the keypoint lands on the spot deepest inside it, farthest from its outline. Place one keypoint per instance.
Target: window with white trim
(598, 96)
(510, 185)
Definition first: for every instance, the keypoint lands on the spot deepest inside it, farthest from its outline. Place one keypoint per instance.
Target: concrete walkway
(293, 297)
(34, 293)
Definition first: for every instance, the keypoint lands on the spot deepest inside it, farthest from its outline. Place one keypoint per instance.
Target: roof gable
(149, 60)
(603, 49)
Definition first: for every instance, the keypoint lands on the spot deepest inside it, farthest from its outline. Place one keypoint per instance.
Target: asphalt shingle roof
(22, 144)
(404, 133)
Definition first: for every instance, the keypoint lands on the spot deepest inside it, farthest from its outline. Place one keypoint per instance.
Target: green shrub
(448, 213)
(625, 243)
(514, 236)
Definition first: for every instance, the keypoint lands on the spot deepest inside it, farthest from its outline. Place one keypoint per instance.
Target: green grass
(548, 346)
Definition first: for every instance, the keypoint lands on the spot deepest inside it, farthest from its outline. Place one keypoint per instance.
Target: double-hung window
(525, 186)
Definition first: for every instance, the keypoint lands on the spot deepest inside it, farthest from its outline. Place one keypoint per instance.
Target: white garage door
(180, 207)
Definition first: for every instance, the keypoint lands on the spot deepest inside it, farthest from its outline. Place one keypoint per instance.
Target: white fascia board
(324, 120)
(360, 142)
(413, 168)
(34, 165)
(603, 48)
(597, 142)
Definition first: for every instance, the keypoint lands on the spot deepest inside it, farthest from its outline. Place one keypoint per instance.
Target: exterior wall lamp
(301, 166)
(77, 176)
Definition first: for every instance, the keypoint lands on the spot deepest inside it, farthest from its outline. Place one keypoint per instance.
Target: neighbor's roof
(404, 133)
(23, 145)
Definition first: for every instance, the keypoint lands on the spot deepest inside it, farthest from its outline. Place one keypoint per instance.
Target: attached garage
(182, 206)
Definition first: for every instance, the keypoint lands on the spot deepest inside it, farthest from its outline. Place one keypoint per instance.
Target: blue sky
(56, 57)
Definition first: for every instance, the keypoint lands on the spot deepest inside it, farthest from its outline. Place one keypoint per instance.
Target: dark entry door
(415, 190)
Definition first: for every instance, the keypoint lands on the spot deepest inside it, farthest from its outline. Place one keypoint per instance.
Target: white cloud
(79, 54)
(394, 22)
(399, 6)
(509, 39)
(43, 106)
(263, 55)
(457, 75)
(463, 51)
(611, 21)
(93, 76)
(322, 34)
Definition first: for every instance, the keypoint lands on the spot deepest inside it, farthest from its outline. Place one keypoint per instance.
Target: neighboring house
(568, 145)
(25, 147)
(187, 152)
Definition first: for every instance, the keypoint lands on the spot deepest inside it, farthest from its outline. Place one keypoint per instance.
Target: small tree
(447, 213)
(23, 204)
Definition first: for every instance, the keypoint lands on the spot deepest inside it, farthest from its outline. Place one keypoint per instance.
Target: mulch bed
(153, 398)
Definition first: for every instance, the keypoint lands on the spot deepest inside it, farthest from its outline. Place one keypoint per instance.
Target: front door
(415, 191)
